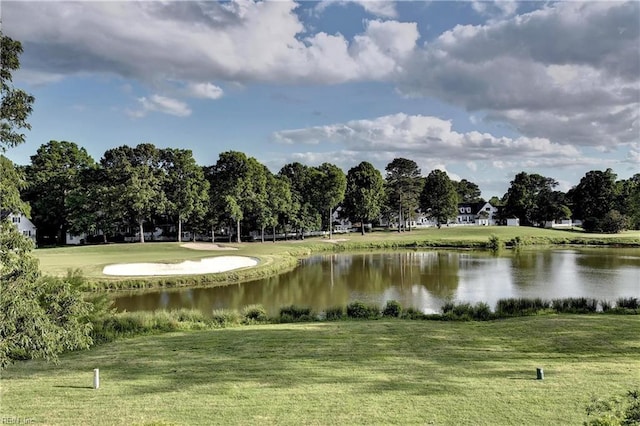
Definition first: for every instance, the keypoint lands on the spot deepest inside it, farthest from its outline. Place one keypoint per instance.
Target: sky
(482, 90)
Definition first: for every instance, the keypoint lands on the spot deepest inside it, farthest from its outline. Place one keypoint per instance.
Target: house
(513, 221)
(24, 225)
(483, 214)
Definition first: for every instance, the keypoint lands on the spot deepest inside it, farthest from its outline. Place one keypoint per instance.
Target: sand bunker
(206, 246)
(209, 265)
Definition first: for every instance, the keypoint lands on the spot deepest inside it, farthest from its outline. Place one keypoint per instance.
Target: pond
(424, 280)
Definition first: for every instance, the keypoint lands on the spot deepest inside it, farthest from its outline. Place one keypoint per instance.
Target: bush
(334, 313)
(628, 303)
(225, 318)
(254, 314)
(466, 312)
(413, 314)
(495, 244)
(361, 310)
(295, 313)
(514, 307)
(575, 305)
(606, 305)
(393, 308)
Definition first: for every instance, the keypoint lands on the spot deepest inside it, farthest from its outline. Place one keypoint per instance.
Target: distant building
(483, 214)
(24, 225)
(513, 221)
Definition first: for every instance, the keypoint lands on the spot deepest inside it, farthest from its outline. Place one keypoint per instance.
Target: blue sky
(482, 90)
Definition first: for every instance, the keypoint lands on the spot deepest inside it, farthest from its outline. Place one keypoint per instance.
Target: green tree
(404, 185)
(628, 202)
(468, 192)
(522, 197)
(364, 195)
(53, 174)
(16, 104)
(331, 187)
(39, 318)
(304, 214)
(439, 198)
(238, 180)
(185, 187)
(137, 181)
(594, 200)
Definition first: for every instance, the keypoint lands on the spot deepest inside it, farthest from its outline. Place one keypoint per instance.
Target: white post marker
(96, 378)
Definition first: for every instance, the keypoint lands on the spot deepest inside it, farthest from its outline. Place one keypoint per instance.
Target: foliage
(39, 317)
(331, 187)
(12, 181)
(438, 198)
(530, 199)
(575, 305)
(225, 318)
(55, 187)
(364, 194)
(295, 313)
(614, 411)
(467, 192)
(520, 306)
(403, 187)
(334, 313)
(466, 312)
(16, 104)
(495, 243)
(186, 189)
(254, 314)
(392, 308)
(628, 303)
(360, 310)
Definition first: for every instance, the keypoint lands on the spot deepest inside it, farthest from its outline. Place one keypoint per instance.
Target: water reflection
(421, 279)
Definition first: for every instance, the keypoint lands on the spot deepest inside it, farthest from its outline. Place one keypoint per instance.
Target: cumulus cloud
(240, 41)
(163, 104)
(382, 9)
(204, 91)
(430, 136)
(568, 72)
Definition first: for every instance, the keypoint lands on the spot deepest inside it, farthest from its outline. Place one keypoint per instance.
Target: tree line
(144, 186)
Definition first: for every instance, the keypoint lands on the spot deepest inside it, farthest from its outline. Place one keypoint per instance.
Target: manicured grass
(346, 372)
(275, 258)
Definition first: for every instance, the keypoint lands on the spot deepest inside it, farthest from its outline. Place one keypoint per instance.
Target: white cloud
(382, 9)
(204, 91)
(241, 41)
(569, 72)
(431, 137)
(163, 104)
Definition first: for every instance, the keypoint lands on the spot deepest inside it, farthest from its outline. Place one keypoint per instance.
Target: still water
(421, 279)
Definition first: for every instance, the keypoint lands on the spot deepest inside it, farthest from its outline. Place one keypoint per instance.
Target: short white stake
(96, 378)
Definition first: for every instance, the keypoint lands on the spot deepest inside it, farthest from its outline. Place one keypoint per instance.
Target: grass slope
(354, 372)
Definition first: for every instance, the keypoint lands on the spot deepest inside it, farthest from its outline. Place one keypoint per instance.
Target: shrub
(575, 305)
(295, 313)
(465, 311)
(254, 314)
(413, 314)
(495, 244)
(393, 308)
(628, 303)
(606, 305)
(334, 313)
(361, 310)
(520, 306)
(225, 318)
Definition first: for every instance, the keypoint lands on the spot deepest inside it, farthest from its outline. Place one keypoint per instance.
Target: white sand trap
(206, 246)
(209, 265)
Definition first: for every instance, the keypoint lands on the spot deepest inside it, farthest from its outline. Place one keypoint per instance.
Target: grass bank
(353, 372)
(283, 255)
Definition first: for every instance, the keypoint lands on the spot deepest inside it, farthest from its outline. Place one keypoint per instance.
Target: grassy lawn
(281, 255)
(353, 372)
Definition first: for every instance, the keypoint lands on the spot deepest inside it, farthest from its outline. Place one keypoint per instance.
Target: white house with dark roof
(24, 225)
(483, 214)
